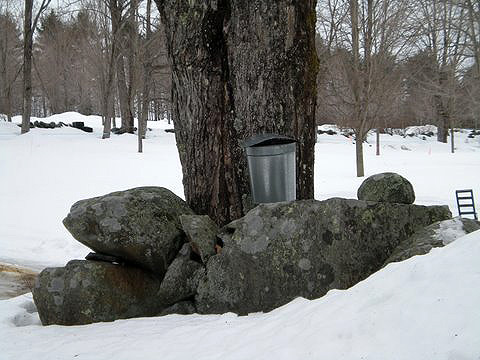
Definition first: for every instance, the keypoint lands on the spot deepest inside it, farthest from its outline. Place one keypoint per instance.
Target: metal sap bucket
(272, 166)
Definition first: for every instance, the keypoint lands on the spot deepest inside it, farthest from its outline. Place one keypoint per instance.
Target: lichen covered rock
(140, 225)
(281, 251)
(84, 292)
(387, 187)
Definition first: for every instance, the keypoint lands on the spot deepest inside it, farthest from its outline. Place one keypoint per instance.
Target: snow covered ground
(424, 308)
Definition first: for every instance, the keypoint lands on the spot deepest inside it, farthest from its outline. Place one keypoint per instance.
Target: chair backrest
(465, 203)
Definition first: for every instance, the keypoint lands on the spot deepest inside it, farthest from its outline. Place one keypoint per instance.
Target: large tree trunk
(239, 68)
(272, 71)
(27, 67)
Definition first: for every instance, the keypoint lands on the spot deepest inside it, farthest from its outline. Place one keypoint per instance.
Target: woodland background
(410, 62)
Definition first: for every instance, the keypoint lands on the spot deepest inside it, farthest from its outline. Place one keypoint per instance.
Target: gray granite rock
(84, 292)
(387, 187)
(140, 225)
(284, 250)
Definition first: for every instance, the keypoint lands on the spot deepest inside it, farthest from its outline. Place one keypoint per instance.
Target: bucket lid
(267, 139)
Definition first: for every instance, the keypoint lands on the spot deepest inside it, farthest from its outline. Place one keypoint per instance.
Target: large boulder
(387, 187)
(284, 250)
(84, 292)
(139, 225)
(438, 234)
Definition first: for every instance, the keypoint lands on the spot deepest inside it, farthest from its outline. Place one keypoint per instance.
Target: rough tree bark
(239, 68)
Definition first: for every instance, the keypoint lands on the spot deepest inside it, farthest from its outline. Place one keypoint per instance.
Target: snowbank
(332, 127)
(423, 308)
(418, 130)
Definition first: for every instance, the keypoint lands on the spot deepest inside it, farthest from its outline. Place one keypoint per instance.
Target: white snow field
(424, 308)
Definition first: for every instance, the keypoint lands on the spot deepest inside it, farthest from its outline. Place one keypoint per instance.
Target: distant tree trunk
(452, 140)
(147, 72)
(9, 105)
(359, 153)
(442, 120)
(131, 61)
(125, 111)
(118, 30)
(239, 68)
(109, 107)
(156, 110)
(5, 89)
(44, 106)
(378, 142)
(359, 115)
(27, 66)
(142, 122)
(28, 29)
(109, 98)
(112, 111)
(442, 110)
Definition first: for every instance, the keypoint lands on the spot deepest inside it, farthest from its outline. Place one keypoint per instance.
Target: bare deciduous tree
(10, 61)
(362, 81)
(28, 30)
(441, 23)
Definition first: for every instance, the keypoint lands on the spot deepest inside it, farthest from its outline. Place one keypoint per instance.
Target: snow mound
(327, 127)
(418, 130)
(8, 128)
(422, 308)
